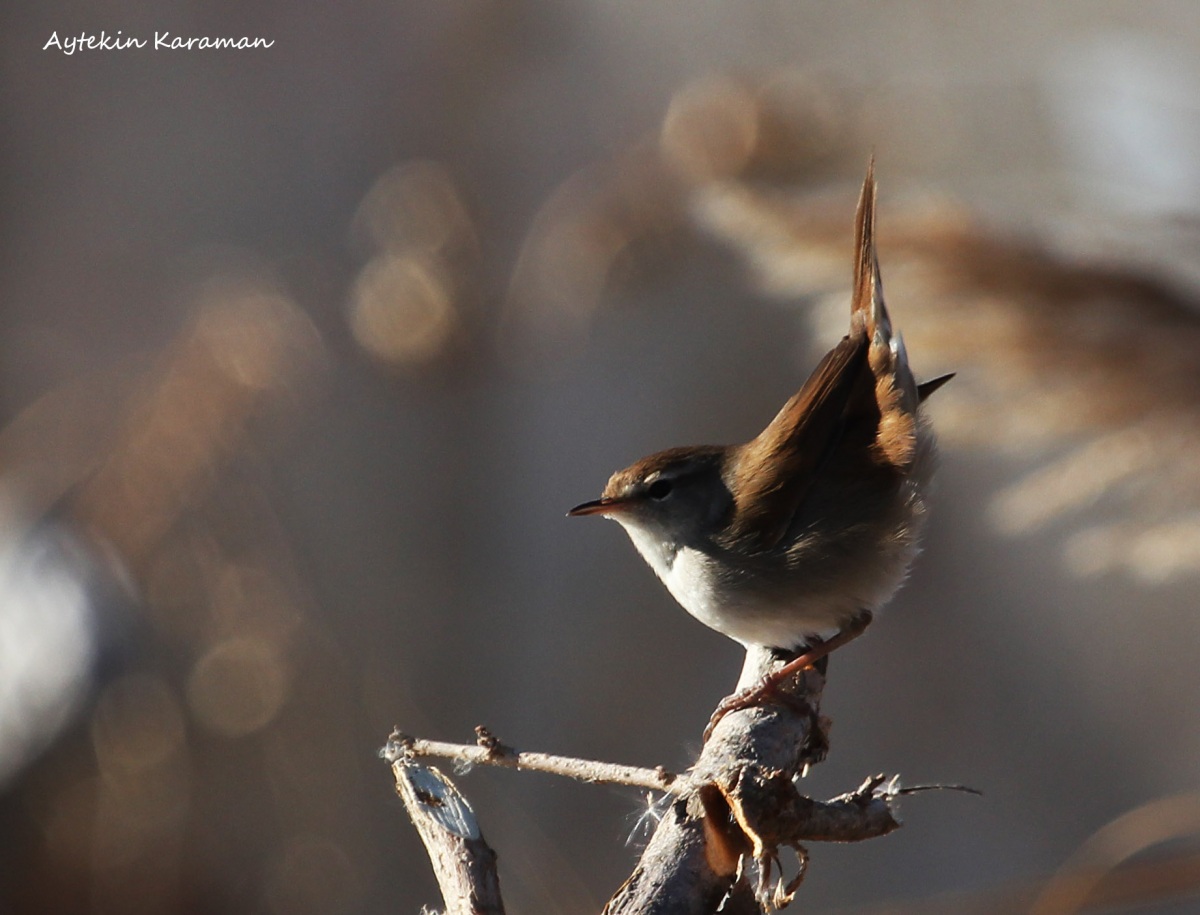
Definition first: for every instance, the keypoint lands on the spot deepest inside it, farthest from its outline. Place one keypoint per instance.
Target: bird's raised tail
(896, 391)
(867, 308)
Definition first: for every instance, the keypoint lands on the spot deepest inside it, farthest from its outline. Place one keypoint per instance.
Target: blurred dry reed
(158, 469)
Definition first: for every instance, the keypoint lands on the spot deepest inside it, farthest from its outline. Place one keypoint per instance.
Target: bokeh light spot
(413, 205)
(402, 310)
(238, 686)
(710, 129)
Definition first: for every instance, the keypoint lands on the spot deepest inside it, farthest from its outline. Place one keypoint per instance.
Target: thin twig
(490, 752)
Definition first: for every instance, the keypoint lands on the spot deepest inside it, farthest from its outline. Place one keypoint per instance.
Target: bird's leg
(767, 689)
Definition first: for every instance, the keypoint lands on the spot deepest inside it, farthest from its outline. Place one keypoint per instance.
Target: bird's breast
(734, 604)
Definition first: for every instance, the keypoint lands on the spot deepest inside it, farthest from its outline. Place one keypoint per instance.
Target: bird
(793, 540)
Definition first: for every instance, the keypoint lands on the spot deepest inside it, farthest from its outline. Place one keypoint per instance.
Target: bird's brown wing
(925, 388)
(774, 471)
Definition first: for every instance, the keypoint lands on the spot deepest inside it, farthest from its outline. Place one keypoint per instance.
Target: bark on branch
(464, 864)
(739, 801)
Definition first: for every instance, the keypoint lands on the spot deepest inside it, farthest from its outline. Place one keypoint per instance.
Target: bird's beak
(598, 507)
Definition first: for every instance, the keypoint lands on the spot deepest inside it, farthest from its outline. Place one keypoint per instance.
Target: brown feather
(775, 470)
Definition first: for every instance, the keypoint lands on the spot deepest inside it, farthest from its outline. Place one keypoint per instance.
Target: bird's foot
(767, 689)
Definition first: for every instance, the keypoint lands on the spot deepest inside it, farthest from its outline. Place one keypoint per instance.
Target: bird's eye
(659, 489)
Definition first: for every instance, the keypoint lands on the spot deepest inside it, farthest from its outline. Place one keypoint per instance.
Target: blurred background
(305, 351)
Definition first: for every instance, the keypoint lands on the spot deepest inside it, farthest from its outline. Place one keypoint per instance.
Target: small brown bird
(792, 540)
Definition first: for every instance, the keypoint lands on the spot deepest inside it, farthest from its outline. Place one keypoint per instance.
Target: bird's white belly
(747, 616)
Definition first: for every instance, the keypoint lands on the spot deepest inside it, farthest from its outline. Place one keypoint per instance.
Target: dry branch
(464, 864)
(738, 804)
